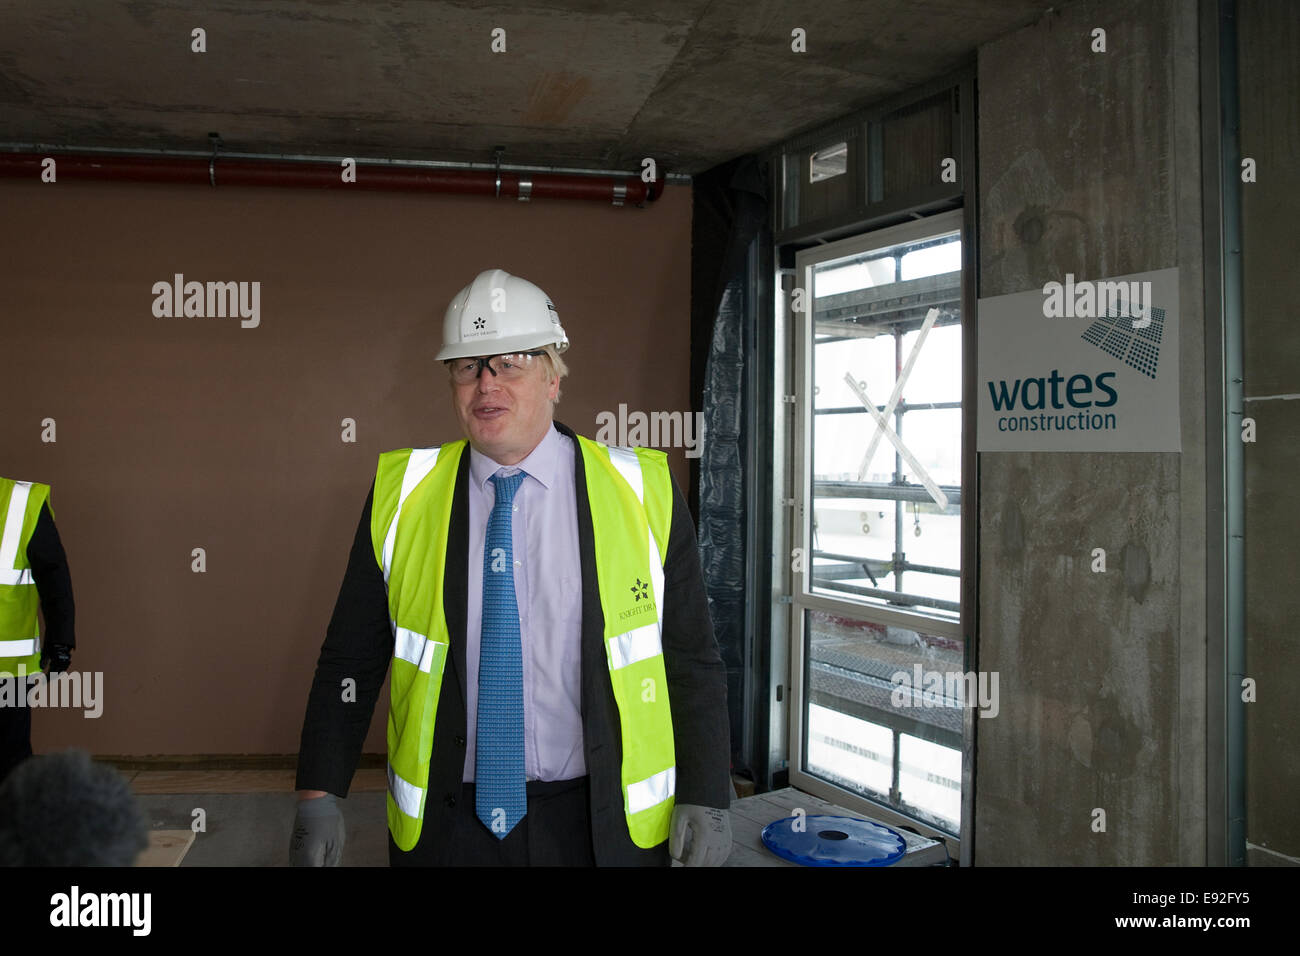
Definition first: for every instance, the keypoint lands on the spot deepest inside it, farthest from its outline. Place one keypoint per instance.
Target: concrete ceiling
(601, 85)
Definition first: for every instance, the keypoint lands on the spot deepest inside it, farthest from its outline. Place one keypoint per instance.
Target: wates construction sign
(1081, 365)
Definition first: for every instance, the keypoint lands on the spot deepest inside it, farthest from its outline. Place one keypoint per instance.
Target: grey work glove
(700, 836)
(317, 833)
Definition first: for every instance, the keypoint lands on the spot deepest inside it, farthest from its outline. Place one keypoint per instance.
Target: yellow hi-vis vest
(630, 493)
(20, 629)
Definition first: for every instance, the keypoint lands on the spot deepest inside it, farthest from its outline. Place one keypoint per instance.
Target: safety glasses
(509, 367)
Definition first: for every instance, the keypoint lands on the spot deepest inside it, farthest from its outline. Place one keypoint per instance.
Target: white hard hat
(497, 313)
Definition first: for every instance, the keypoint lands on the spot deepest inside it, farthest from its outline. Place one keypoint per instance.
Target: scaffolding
(895, 309)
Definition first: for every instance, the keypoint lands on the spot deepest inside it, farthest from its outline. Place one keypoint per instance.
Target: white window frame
(800, 533)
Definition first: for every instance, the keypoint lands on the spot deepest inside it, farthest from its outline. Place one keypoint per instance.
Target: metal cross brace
(930, 318)
(935, 491)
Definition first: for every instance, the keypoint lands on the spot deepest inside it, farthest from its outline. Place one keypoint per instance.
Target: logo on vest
(636, 611)
(640, 591)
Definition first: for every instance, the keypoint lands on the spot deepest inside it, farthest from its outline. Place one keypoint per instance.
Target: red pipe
(238, 172)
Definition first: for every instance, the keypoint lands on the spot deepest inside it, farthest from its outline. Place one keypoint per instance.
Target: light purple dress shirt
(548, 591)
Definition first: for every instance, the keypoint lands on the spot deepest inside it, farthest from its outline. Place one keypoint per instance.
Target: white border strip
(418, 466)
(635, 645)
(651, 791)
(406, 795)
(628, 464)
(13, 529)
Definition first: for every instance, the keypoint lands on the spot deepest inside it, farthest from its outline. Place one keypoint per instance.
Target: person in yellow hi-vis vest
(34, 577)
(556, 693)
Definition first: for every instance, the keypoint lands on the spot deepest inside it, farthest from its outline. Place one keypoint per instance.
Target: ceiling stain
(553, 97)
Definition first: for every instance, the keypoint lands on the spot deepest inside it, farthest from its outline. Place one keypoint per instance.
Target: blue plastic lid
(833, 841)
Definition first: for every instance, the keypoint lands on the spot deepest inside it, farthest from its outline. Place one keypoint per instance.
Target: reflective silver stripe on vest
(637, 645)
(13, 528)
(418, 465)
(406, 795)
(652, 791)
(413, 647)
(19, 648)
(629, 466)
(407, 644)
(17, 577)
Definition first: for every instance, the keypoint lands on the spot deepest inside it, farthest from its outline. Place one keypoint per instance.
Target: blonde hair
(556, 367)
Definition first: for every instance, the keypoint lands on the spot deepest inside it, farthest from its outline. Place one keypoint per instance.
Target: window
(877, 530)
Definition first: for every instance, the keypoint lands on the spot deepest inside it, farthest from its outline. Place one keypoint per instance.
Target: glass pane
(849, 751)
(871, 723)
(885, 523)
(932, 378)
(929, 780)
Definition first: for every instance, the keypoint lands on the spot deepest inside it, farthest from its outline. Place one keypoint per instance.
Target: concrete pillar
(1090, 163)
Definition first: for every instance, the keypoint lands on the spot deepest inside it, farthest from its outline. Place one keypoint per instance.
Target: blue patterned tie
(499, 795)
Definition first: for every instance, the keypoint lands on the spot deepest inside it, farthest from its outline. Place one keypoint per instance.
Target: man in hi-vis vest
(557, 697)
(33, 577)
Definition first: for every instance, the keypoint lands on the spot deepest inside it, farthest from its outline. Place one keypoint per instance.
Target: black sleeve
(697, 679)
(358, 644)
(53, 581)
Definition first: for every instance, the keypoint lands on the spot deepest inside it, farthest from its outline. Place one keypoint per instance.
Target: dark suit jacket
(359, 644)
(53, 583)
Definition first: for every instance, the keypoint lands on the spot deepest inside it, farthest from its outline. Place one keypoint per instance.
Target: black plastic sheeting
(722, 501)
(730, 207)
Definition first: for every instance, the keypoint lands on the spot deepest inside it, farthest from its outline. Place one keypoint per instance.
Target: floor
(244, 818)
(247, 816)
